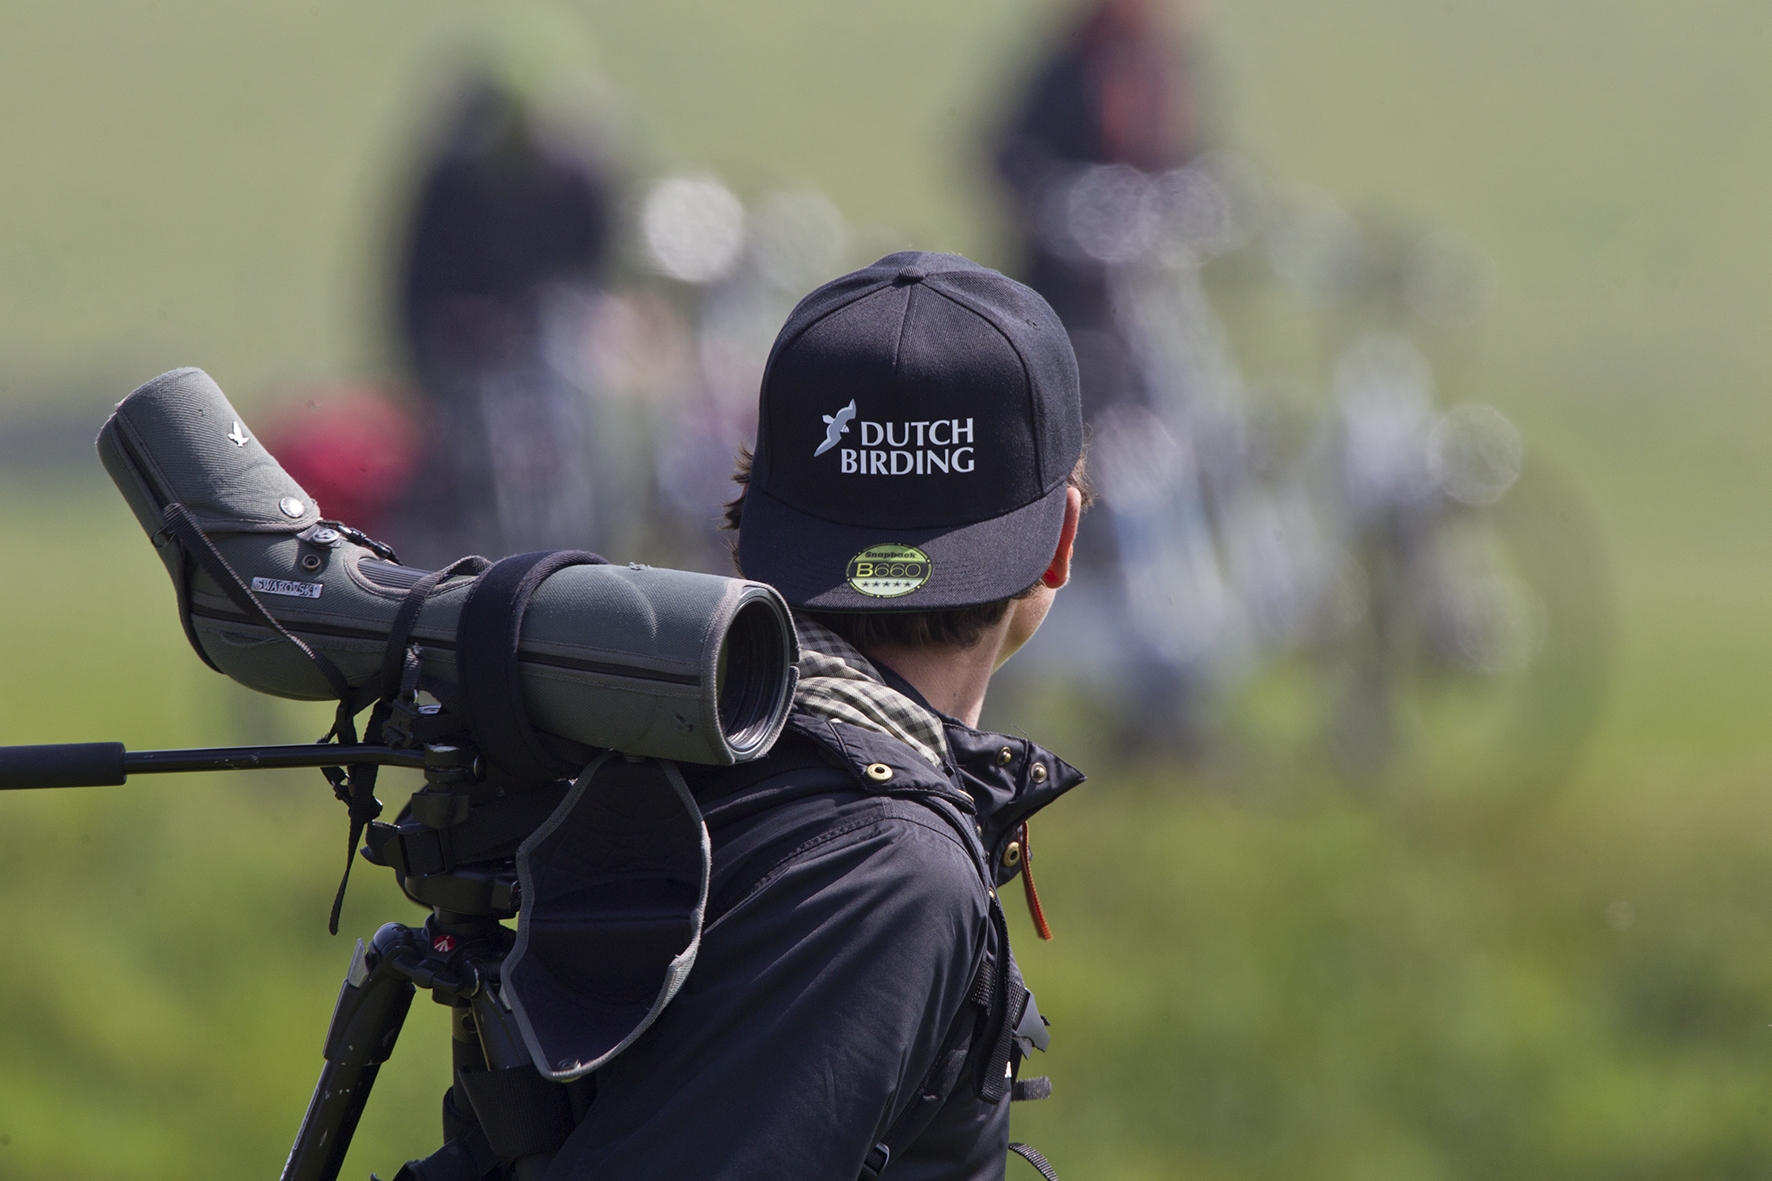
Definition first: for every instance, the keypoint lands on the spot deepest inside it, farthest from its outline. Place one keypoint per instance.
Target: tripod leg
(371, 1007)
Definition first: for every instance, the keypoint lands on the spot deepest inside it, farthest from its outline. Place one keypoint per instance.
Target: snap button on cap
(1038, 774)
(291, 507)
(310, 562)
(1012, 855)
(1004, 757)
(879, 772)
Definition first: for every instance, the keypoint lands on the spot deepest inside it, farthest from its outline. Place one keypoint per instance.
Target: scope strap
(391, 683)
(381, 549)
(486, 652)
(356, 787)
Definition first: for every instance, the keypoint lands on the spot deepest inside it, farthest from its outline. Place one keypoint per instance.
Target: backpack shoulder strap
(938, 1083)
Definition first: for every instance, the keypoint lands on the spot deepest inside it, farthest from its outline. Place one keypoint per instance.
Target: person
(509, 237)
(855, 1010)
(1112, 205)
(1118, 91)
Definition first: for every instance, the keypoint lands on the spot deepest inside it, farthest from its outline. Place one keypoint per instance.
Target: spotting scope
(646, 661)
(548, 698)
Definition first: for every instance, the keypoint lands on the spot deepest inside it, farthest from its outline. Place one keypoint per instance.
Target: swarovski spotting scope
(650, 662)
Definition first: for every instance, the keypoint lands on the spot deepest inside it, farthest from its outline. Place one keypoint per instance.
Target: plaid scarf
(839, 683)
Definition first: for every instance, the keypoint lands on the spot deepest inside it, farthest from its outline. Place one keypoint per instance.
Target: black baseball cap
(917, 423)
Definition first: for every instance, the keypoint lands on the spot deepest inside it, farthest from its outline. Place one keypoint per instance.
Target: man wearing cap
(855, 1010)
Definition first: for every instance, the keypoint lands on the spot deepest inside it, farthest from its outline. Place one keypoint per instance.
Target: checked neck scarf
(839, 683)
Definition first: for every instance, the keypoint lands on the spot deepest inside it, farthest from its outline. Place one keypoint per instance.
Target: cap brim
(807, 558)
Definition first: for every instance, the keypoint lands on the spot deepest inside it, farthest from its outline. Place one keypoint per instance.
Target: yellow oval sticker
(888, 571)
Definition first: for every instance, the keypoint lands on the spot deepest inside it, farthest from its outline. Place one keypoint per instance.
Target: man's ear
(1059, 572)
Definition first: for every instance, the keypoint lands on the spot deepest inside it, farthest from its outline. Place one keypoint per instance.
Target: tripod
(452, 850)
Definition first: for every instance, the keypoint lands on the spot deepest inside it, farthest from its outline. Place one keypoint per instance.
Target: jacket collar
(997, 781)
(1008, 779)
(888, 735)
(997, 772)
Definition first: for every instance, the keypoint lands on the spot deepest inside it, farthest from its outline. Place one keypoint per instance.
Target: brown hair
(959, 627)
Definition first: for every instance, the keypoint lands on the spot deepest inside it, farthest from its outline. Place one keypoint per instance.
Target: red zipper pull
(1035, 911)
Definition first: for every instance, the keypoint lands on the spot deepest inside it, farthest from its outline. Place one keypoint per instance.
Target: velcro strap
(521, 1112)
(1026, 1089)
(486, 650)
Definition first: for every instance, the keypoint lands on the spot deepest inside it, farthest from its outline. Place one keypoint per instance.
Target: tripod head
(453, 847)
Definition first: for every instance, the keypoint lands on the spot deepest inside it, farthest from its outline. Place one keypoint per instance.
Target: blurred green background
(1306, 983)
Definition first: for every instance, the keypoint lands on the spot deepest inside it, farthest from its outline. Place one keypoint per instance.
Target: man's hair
(959, 627)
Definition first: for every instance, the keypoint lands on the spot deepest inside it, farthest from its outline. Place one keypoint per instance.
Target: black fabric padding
(521, 1113)
(612, 896)
(595, 938)
(486, 650)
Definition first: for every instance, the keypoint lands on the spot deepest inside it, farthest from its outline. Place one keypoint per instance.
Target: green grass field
(1300, 983)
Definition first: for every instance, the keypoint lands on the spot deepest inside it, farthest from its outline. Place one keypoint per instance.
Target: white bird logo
(238, 436)
(836, 425)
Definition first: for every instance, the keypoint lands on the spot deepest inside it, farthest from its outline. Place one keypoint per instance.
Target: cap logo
(836, 426)
(889, 571)
(943, 445)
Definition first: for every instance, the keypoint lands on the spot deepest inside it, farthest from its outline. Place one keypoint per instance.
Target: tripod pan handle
(68, 764)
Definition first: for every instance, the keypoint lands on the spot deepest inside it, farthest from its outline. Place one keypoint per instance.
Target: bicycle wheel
(1469, 660)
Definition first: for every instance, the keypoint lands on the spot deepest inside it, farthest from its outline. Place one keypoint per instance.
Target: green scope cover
(650, 662)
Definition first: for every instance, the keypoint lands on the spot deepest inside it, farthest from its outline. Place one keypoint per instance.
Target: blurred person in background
(1105, 120)
(507, 246)
(1117, 90)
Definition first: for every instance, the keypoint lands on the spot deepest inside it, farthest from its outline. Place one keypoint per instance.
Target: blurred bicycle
(1366, 572)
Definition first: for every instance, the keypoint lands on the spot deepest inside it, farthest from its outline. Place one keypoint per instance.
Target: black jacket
(854, 985)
